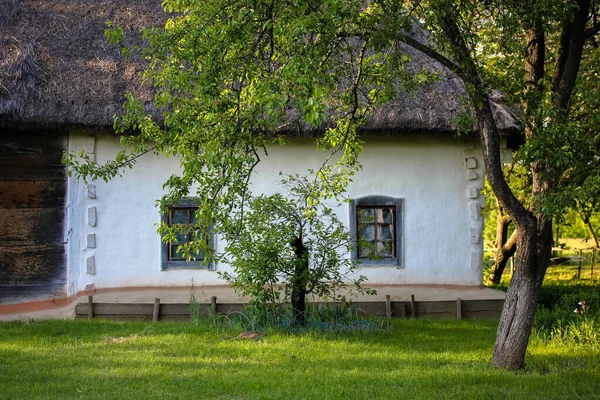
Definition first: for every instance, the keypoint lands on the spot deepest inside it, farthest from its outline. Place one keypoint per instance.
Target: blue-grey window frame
(167, 264)
(378, 201)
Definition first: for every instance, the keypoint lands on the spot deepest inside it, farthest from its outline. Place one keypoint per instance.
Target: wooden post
(413, 308)
(459, 309)
(592, 265)
(388, 306)
(403, 310)
(90, 307)
(213, 305)
(579, 266)
(343, 301)
(156, 312)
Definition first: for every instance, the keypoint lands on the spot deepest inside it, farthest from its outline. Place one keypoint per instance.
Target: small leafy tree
(284, 248)
(232, 78)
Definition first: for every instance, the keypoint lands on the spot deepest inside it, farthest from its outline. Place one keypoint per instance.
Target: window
(375, 224)
(184, 213)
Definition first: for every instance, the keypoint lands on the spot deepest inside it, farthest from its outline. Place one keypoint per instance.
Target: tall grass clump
(327, 317)
(569, 315)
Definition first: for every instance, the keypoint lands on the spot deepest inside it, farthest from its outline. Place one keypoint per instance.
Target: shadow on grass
(416, 359)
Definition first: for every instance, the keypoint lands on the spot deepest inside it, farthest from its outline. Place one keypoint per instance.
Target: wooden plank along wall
(32, 216)
(469, 309)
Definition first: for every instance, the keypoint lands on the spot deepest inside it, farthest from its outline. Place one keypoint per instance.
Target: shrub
(569, 314)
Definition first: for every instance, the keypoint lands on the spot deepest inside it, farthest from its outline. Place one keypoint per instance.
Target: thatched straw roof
(57, 69)
(56, 66)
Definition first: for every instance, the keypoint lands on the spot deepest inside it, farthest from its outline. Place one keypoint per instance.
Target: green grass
(416, 359)
(563, 274)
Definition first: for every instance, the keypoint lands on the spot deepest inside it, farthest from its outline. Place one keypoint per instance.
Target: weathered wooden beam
(29, 226)
(33, 145)
(369, 307)
(482, 305)
(90, 310)
(20, 171)
(156, 311)
(403, 310)
(485, 309)
(180, 309)
(32, 194)
(33, 264)
(388, 306)
(458, 309)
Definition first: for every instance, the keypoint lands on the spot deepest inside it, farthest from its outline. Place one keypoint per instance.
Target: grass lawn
(414, 359)
(563, 274)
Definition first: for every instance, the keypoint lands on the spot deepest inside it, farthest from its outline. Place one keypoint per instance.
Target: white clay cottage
(61, 85)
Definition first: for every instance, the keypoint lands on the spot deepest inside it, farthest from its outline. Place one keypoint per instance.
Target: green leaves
(114, 33)
(229, 79)
(259, 243)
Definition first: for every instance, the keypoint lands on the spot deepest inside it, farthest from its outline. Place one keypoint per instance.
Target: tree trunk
(585, 216)
(592, 232)
(505, 246)
(299, 282)
(502, 255)
(534, 246)
(534, 237)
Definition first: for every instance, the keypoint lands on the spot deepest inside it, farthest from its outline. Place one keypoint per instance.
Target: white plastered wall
(112, 226)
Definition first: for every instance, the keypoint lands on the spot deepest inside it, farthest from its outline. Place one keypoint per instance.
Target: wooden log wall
(33, 190)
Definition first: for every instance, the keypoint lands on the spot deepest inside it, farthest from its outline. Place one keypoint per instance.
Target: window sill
(378, 263)
(186, 265)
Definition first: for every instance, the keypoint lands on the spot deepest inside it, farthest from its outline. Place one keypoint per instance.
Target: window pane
(376, 224)
(179, 217)
(385, 232)
(199, 256)
(175, 255)
(366, 251)
(193, 218)
(181, 238)
(384, 249)
(387, 216)
(366, 215)
(367, 232)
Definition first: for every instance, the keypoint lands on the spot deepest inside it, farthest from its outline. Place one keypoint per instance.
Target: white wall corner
(91, 191)
(505, 152)
(470, 143)
(474, 210)
(91, 241)
(473, 192)
(471, 162)
(476, 260)
(90, 145)
(474, 235)
(90, 265)
(506, 156)
(91, 216)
